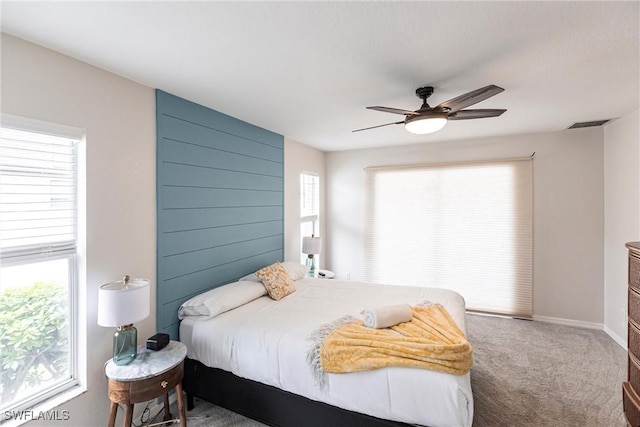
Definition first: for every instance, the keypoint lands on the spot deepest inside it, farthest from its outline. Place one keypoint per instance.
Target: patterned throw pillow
(277, 281)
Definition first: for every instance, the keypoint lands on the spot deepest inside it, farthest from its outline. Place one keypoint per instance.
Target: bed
(251, 358)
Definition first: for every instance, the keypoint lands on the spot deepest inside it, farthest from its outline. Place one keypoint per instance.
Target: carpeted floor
(526, 374)
(541, 374)
(207, 415)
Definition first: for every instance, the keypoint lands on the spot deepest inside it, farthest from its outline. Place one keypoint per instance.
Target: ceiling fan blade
(470, 98)
(475, 114)
(379, 126)
(393, 110)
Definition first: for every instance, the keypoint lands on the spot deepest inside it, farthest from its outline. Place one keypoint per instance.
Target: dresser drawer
(630, 405)
(634, 271)
(634, 306)
(634, 373)
(633, 338)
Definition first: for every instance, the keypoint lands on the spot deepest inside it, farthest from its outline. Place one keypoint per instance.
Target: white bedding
(266, 341)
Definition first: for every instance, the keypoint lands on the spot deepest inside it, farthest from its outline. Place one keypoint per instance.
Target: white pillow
(296, 272)
(221, 299)
(250, 277)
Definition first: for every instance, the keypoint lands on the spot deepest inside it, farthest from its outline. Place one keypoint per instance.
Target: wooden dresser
(631, 388)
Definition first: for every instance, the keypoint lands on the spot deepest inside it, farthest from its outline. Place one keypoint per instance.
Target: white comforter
(266, 341)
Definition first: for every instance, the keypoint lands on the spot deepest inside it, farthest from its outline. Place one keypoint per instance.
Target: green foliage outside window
(33, 337)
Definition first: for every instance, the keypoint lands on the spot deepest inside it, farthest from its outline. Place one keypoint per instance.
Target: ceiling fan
(428, 119)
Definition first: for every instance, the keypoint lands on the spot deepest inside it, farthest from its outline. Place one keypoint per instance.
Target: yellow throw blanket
(431, 340)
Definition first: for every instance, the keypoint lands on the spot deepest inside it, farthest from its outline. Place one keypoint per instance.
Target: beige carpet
(541, 374)
(526, 374)
(204, 414)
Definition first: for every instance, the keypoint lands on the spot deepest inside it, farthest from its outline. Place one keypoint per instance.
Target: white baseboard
(582, 324)
(568, 322)
(616, 337)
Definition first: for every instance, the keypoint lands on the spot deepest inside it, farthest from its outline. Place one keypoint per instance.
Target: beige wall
(568, 212)
(300, 158)
(118, 116)
(622, 216)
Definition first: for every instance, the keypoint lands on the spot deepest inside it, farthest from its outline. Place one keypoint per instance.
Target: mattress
(267, 341)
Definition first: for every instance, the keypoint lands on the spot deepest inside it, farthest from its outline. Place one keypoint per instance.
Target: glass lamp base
(311, 262)
(125, 345)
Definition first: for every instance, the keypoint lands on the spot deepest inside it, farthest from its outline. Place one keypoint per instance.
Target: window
(309, 208)
(38, 235)
(465, 227)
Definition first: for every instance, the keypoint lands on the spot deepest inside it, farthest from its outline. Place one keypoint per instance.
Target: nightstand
(152, 374)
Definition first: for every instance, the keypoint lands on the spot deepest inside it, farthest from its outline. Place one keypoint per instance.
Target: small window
(309, 208)
(38, 246)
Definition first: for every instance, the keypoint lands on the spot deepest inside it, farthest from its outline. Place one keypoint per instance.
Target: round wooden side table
(152, 374)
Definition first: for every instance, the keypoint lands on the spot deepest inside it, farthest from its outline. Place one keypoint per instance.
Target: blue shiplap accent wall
(220, 197)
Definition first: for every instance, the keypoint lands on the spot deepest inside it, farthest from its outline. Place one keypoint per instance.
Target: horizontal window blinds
(309, 196)
(465, 227)
(38, 187)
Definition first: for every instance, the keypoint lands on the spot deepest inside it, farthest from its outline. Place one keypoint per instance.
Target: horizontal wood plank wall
(220, 196)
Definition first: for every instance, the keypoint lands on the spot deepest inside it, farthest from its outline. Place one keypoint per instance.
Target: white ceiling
(307, 70)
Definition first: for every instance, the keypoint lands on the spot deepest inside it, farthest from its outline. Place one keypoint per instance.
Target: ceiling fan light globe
(422, 125)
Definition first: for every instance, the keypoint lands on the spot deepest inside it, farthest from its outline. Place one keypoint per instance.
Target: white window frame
(31, 254)
(305, 216)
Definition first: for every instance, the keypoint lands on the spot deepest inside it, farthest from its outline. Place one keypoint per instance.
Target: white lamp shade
(311, 245)
(424, 124)
(120, 305)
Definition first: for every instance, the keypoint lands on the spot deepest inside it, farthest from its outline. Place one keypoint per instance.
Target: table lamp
(121, 304)
(311, 246)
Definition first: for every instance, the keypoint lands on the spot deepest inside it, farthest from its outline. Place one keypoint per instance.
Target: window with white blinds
(39, 355)
(465, 227)
(309, 198)
(38, 185)
(309, 208)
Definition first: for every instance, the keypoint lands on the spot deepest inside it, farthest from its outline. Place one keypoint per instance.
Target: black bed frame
(267, 404)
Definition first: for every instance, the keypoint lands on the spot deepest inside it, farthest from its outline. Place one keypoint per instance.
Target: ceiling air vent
(591, 124)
